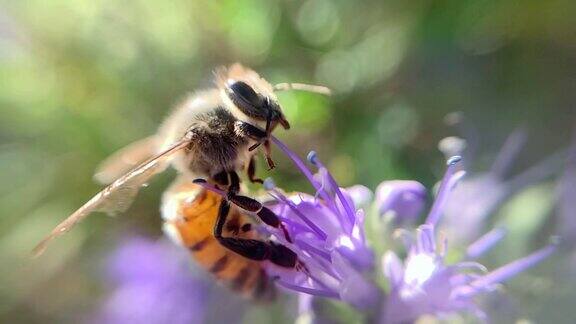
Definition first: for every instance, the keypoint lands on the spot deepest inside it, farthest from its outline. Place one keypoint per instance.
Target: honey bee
(208, 139)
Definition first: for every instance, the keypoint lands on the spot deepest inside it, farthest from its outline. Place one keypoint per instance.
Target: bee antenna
(303, 87)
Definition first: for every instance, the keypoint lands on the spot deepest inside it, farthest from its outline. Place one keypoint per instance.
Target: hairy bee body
(190, 214)
(215, 145)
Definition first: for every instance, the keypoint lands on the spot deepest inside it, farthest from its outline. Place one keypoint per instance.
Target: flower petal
(393, 268)
(485, 243)
(512, 269)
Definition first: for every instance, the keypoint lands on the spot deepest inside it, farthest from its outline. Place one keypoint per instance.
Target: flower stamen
(307, 290)
(485, 243)
(451, 177)
(313, 158)
(319, 232)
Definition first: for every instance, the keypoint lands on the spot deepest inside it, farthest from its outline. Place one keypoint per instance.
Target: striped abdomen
(190, 213)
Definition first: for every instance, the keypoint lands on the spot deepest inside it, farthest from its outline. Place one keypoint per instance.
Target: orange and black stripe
(195, 227)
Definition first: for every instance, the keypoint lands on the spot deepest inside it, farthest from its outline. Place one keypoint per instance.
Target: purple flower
(329, 238)
(328, 234)
(424, 284)
(153, 283)
(156, 282)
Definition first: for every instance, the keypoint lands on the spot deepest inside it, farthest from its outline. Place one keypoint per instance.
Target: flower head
(424, 284)
(329, 237)
(328, 234)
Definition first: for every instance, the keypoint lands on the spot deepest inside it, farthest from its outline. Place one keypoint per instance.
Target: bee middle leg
(253, 205)
(253, 249)
(252, 171)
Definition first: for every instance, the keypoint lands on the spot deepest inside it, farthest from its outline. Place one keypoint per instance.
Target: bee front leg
(260, 136)
(268, 154)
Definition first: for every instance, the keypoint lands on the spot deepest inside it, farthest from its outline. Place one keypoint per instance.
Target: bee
(209, 138)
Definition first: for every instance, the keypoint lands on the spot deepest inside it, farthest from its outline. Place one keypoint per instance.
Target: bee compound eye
(245, 92)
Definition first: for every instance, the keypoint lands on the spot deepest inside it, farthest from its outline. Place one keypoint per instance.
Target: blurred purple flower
(401, 200)
(153, 284)
(361, 196)
(425, 285)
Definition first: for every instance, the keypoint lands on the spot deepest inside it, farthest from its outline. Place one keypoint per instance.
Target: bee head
(254, 97)
(256, 105)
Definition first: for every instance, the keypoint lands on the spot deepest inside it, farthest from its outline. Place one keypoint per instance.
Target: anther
(453, 160)
(312, 157)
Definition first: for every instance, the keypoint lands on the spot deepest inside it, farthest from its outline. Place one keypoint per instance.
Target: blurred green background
(81, 79)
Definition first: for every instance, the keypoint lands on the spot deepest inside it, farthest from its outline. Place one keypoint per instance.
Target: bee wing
(125, 159)
(118, 196)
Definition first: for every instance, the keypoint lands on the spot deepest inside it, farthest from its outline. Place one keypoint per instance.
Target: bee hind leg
(254, 249)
